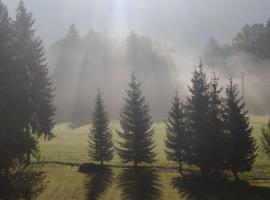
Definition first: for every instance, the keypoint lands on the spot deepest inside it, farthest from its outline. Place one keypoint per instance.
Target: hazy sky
(188, 24)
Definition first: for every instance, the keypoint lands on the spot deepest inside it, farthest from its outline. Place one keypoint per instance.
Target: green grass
(70, 146)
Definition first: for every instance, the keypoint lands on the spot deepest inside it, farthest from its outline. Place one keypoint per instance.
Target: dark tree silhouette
(216, 131)
(139, 183)
(176, 132)
(198, 121)
(38, 92)
(241, 146)
(136, 144)
(14, 142)
(100, 137)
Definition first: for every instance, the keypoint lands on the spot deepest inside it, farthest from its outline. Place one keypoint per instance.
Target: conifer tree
(100, 137)
(136, 144)
(176, 132)
(198, 121)
(216, 131)
(36, 83)
(241, 146)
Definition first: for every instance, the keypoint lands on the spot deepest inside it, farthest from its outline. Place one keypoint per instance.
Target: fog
(161, 41)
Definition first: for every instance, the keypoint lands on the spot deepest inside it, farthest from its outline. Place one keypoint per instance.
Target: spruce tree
(241, 146)
(136, 144)
(198, 121)
(216, 131)
(36, 83)
(176, 132)
(100, 137)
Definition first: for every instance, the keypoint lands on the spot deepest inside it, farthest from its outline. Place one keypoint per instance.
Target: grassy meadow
(70, 147)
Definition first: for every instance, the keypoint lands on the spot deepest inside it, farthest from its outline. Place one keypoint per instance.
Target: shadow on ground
(198, 188)
(139, 184)
(99, 178)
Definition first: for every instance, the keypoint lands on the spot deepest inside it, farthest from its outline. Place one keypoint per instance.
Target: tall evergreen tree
(136, 144)
(36, 82)
(100, 137)
(241, 145)
(176, 132)
(198, 121)
(216, 131)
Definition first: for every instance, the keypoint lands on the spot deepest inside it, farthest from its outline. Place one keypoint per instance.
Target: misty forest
(134, 100)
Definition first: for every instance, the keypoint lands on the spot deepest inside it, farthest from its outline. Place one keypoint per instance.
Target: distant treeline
(81, 63)
(248, 54)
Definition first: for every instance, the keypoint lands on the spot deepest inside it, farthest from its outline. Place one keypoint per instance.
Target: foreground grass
(70, 146)
(67, 183)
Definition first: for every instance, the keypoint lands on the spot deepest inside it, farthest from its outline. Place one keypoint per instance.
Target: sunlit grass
(71, 144)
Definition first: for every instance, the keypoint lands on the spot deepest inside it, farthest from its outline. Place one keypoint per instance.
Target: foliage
(241, 146)
(100, 137)
(198, 121)
(176, 132)
(137, 136)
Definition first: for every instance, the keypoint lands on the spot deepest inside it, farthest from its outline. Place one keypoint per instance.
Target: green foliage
(198, 121)
(100, 137)
(241, 146)
(216, 124)
(31, 61)
(23, 183)
(176, 132)
(137, 136)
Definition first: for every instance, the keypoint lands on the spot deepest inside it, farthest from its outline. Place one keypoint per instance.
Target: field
(69, 148)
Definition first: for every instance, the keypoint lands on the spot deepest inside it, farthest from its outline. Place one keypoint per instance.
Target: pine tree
(14, 142)
(198, 121)
(100, 137)
(265, 140)
(36, 83)
(216, 131)
(176, 132)
(241, 146)
(136, 144)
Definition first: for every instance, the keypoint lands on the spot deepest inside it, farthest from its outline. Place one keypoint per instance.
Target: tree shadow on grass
(198, 188)
(99, 178)
(139, 184)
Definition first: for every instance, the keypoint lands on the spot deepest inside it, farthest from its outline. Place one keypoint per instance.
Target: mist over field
(160, 41)
(134, 99)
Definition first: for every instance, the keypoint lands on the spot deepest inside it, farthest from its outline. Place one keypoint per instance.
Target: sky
(186, 24)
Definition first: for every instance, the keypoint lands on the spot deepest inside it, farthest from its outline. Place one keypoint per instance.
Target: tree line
(204, 130)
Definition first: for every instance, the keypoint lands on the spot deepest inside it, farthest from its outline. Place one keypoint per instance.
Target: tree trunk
(28, 154)
(28, 158)
(101, 162)
(235, 174)
(180, 168)
(135, 164)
